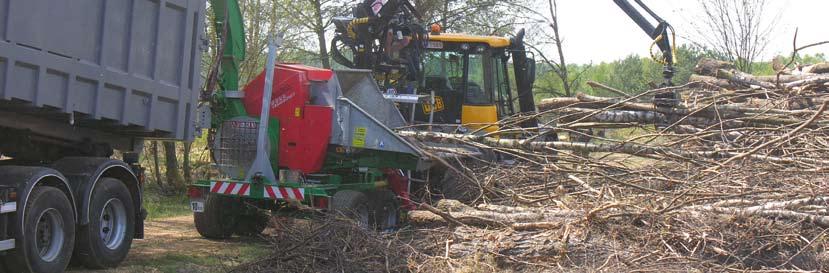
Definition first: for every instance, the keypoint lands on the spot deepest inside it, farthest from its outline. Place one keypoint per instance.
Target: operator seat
(438, 83)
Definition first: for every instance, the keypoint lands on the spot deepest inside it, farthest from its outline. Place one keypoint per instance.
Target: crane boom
(230, 34)
(230, 30)
(658, 33)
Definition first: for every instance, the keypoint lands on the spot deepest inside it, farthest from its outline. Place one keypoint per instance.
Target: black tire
(219, 217)
(106, 240)
(46, 207)
(456, 187)
(385, 210)
(252, 224)
(352, 204)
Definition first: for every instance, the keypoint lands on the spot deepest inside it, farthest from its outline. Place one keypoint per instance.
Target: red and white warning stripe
(230, 188)
(274, 192)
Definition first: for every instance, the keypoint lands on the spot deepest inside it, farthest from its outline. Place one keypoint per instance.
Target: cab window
(441, 69)
(477, 91)
(502, 86)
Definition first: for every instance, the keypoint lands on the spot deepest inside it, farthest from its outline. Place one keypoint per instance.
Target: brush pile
(330, 244)
(732, 177)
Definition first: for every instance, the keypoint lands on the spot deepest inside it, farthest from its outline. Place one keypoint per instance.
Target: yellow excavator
(469, 78)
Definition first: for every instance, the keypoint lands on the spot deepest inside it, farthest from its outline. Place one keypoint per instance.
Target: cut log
(621, 148)
(537, 245)
(713, 80)
(710, 67)
(819, 68)
(813, 80)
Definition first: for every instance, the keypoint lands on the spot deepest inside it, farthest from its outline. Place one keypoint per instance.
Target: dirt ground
(173, 245)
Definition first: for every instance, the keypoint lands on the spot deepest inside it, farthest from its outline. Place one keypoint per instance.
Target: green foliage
(633, 74)
(765, 68)
(160, 205)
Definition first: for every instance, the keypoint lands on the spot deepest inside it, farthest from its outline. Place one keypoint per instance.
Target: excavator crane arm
(658, 33)
(386, 37)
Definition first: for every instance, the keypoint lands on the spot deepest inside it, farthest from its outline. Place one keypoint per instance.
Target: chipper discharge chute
(331, 145)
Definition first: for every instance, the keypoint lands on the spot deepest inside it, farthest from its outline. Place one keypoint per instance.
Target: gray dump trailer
(79, 79)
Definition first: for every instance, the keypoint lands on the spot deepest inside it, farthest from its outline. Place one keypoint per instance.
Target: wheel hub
(49, 235)
(113, 223)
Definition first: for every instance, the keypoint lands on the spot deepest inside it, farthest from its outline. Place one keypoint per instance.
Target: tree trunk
(319, 30)
(562, 64)
(172, 173)
(154, 150)
(188, 176)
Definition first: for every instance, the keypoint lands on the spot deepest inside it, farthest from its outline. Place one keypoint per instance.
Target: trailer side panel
(128, 67)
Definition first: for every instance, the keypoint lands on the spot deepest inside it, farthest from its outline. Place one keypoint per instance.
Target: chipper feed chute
(360, 87)
(363, 118)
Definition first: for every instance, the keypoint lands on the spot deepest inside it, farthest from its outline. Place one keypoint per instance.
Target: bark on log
(623, 148)
(710, 111)
(455, 212)
(709, 67)
(700, 119)
(724, 74)
(713, 80)
(819, 220)
(813, 80)
(537, 245)
(819, 68)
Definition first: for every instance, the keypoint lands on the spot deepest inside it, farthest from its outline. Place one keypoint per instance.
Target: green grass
(163, 206)
(234, 253)
(221, 262)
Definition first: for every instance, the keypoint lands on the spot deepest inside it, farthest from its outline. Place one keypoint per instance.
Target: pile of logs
(734, 176)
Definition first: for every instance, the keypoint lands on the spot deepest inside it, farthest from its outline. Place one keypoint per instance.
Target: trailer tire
(386, 210)
(106, 240)
(252, 224)
(45, 208)
(456, 187)
(352, 204)
(218, 219)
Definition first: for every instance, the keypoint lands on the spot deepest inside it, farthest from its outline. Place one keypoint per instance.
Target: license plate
(197, 206)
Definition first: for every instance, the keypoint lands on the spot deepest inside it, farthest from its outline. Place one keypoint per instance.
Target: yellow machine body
(480, 116)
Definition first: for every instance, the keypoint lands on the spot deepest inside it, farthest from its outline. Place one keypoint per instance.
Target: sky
(597, 31)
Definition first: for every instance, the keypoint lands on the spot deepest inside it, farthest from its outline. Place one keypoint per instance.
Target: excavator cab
(469, 76)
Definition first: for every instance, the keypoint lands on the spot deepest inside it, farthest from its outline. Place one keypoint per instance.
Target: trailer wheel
(48, 234)
(107, 239)
(352, 204)
(252, 224)
(219, 217)
(386, 210)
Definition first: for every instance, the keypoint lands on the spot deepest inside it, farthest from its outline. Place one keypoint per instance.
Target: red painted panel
(306, 129)
(399, 184)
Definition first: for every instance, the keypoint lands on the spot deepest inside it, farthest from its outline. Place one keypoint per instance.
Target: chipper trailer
(325, 144)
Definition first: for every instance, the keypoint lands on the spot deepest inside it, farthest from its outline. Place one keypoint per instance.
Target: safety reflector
(274, 192)
(230, 188)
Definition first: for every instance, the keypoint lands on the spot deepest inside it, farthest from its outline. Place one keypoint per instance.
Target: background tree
(633, 74)
(312, 21)
(482, 17)
(172, 173)
(739, 30)
(543, 37)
